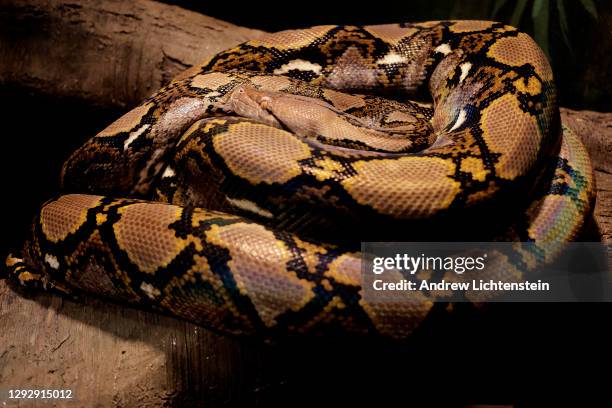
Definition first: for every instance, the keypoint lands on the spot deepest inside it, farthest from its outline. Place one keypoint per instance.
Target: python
(194, 202)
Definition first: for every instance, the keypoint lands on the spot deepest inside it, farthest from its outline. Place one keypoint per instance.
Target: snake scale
(236, 196)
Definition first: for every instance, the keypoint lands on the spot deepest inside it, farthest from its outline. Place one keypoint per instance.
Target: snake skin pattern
(236, 196)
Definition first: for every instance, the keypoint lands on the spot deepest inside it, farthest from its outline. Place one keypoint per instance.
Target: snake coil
(296, 130)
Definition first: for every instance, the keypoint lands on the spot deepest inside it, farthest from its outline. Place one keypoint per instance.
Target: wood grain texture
(112, 53)
(116, 356)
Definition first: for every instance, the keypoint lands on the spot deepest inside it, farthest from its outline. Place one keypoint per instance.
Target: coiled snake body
(298, 131)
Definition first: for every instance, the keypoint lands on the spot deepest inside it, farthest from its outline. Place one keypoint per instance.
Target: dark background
(558, 352)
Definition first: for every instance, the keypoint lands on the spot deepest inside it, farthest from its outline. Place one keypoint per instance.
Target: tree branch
(109, 53)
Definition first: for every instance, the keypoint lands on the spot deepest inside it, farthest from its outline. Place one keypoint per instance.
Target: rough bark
(113, 54)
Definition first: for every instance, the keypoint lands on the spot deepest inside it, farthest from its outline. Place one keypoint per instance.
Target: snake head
(248, 102)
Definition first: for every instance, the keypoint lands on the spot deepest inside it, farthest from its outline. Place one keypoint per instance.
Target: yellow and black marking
(489, 143)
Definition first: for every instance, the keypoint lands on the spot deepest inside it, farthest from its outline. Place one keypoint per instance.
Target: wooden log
(111, 53)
